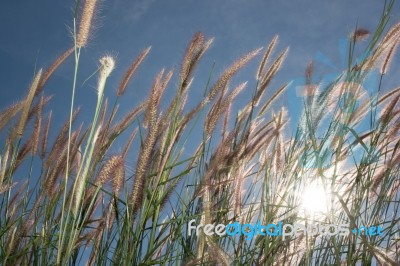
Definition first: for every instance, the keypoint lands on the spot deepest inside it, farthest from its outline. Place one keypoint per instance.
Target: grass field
(211, 162)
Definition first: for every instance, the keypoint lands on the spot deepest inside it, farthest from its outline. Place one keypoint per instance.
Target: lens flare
(315, 199)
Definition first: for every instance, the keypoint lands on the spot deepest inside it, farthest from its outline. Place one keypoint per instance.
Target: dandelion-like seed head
(107, 65)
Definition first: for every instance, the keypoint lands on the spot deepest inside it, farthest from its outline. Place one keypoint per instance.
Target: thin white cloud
(133, 11)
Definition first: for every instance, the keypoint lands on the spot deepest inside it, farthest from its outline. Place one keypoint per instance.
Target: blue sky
(35, 32)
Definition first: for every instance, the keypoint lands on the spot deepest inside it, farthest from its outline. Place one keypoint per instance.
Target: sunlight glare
(314, 199)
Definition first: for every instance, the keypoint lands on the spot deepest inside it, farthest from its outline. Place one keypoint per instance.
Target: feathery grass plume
(387, 167)
(389, 57)
(257, 141)
(9, 113)
(165, 140)
(28, 103)
(383, 256)
(261, 142)
(388, 95)
(156, 93)
(136, 197)
(153, 100)
(391, 194)
(363, 108)
(394, 131)
(220, 85)
(391, 36)
(132, 70)
(309, 75)
(272, 99)
(107, 64)
(265, 81)
(224, 130)
(387, 114)
(109, 170)
(45, 136)
(6, 187)
(228, 74)
(11, 243)
(34, 109)
(238, 175)
(38, 127)
(58, 163)
(52, 68)
(119, 177)
(127, 120)
(378, 177)
(194, 52)
(266, 56)
(4, 162)
(85, 25)
(219, 108)
(280, 120)
(22, 153)
(219, 160)
(165, 81)
(223, 176)
(194, 47)
(217, 254)
(214, 113)
(60, 141)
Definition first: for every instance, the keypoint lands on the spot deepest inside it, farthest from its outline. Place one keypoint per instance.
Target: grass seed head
(86, 22)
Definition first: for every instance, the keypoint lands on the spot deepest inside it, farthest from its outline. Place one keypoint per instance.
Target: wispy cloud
(133, 11)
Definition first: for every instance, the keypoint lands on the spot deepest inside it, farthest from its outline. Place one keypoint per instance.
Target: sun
(314, 199)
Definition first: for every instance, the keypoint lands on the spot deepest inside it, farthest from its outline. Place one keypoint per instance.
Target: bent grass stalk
(80, 40)
(62, 229)
(107, 65)
(252, 171)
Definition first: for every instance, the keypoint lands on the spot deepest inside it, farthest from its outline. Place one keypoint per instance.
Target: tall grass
(87, 205)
